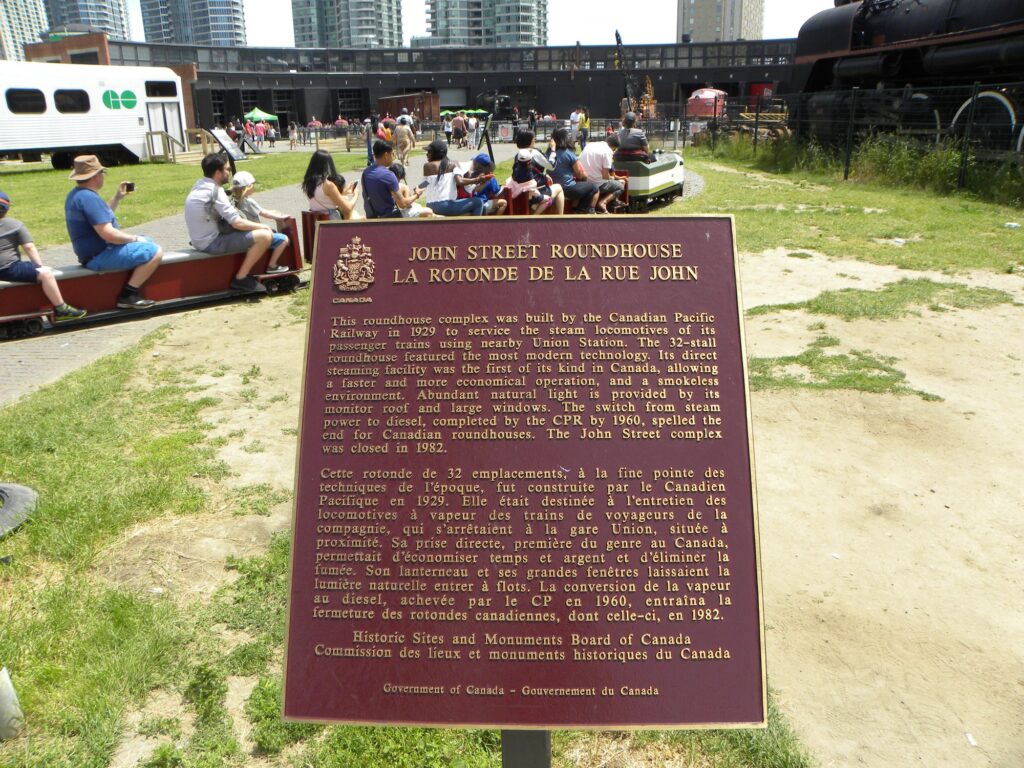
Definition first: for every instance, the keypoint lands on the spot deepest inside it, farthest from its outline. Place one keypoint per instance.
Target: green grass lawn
(38, 193)
(84, 653)
(859, 220)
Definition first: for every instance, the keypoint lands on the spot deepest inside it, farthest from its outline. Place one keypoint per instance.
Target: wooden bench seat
(309, 220)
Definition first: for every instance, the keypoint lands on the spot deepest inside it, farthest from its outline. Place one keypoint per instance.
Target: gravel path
(693, 184)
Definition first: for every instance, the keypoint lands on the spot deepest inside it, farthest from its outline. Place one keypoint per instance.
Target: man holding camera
(96, 236)
(215, 225)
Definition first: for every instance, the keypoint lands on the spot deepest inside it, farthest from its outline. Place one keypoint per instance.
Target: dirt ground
(891, 532)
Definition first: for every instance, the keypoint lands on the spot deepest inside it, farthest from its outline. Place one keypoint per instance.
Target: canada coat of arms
(353, 271)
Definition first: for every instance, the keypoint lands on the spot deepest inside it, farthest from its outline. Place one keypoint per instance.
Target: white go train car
(70, 109)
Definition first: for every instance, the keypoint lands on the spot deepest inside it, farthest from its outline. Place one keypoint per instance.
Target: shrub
(883, 158)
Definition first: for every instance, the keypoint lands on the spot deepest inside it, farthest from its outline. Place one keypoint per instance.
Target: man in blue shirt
(96, 236)
(381, 195)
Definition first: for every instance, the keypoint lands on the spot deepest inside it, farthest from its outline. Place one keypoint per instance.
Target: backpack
(525, 170)
(211, 212)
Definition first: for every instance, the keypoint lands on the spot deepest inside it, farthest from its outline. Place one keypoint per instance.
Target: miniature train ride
(651, 183)
(183, 278)
(646, 184)
(190, 277)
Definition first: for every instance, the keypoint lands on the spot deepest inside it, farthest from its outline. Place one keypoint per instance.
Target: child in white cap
(242, 185)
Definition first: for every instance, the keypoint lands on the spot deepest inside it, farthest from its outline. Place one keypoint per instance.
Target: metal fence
(983, 121)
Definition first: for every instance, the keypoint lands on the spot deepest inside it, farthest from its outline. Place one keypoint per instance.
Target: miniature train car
(183, 278)
(660, 181)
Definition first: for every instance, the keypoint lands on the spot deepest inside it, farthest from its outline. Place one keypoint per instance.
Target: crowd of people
(222, 223)
(257, 133)
(549, 178)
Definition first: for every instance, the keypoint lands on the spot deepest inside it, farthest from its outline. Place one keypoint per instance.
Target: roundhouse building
(298, 83)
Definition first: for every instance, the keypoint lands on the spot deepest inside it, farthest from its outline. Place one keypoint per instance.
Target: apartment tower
(490, 23)
(194, 22)
(110, 16)
(21, 21)
(708, 21)
(347, 23)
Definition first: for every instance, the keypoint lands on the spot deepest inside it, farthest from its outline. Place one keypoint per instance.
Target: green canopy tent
(259, 114)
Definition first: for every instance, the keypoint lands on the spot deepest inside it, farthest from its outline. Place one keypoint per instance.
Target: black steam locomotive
(915, 64)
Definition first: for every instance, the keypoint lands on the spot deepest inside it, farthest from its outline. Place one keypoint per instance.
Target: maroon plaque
(525, 491)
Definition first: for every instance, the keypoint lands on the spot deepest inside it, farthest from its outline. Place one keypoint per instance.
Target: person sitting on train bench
(326, 189)
(415, 210)
(96, 236)
(442, 180)
(12, 269)
(596, 161)
(567, 172)
(633, 142)
(382, 196)
(488, 190)
(215, 225)
(242, 186)
(529, 176)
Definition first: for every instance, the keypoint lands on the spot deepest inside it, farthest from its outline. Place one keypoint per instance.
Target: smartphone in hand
(129, 186)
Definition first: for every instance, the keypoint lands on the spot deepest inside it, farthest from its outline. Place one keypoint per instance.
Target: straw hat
(86, 166)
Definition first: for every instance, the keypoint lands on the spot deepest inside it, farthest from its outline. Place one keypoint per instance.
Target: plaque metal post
(526, 749)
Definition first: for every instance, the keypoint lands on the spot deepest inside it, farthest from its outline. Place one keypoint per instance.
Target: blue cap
(5, 201)
(483, 159)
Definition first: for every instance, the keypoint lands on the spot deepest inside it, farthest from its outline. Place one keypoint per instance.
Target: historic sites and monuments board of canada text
(525, 484)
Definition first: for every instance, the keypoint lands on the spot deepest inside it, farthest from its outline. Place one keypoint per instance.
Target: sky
(269, 22)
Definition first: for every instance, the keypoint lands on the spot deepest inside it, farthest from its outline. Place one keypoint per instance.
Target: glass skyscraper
(459, 23)
(195, 22)
(347, 23)
(708, 21)
(21, 21)
(110, 16)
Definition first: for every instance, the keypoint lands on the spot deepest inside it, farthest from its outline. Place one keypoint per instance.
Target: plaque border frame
(483, 221)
